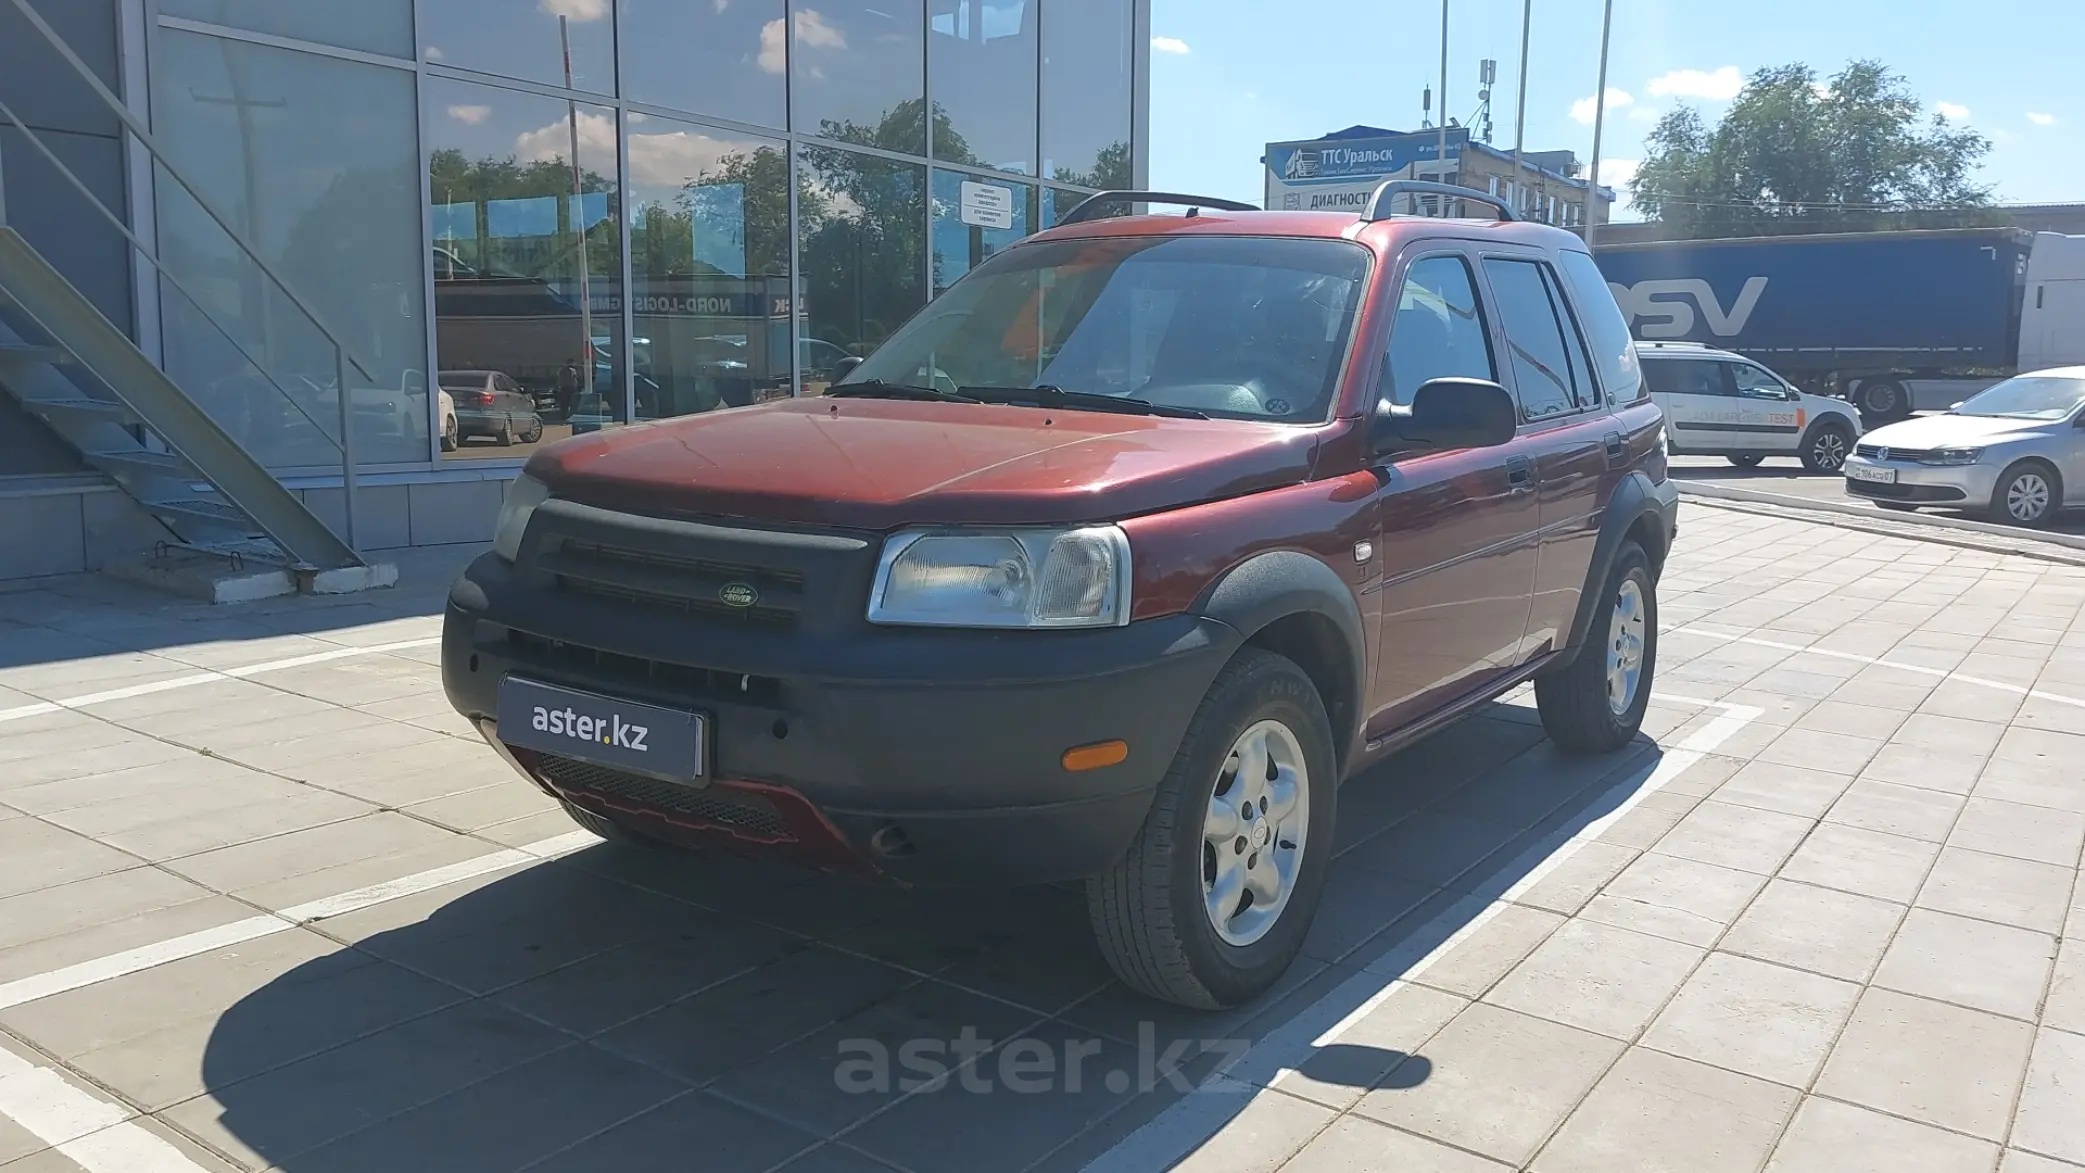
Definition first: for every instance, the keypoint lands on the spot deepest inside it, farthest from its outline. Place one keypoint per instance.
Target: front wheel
(2029, 493)
(1745, 461)
(1826, 447)
(1211, 903)
(1597, 704)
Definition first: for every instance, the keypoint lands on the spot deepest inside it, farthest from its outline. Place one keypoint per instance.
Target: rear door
(1699, 401)
(1458, 530)
(1564, 426)
(1770, 415)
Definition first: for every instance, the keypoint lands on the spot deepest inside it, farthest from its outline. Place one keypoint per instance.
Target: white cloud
(720, 5)
(554, 142)
(1952, 111)
(1823, 90)
(434, 52)
(1618, 174)
(579, 10)
(1719, 85)
(2041, 119)
(812, 32)
(1582, 109)
(470, 115)
(1173, 45)
(666, 159)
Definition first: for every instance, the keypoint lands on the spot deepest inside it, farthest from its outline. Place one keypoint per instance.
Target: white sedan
(2015, 451)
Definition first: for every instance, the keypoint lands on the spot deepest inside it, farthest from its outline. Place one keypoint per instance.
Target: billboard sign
(1340, 174)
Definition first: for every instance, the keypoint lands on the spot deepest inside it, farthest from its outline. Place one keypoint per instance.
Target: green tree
(1791, 155)
(1110, 170)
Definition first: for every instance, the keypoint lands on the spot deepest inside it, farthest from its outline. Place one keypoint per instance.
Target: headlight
(1004, 578)
(522, 498)
(1958, 456)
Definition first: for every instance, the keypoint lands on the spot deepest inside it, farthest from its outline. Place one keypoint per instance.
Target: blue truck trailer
(1894, 321)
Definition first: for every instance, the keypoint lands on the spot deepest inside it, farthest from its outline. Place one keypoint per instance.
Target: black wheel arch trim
(1635, 499)
(1279, 584)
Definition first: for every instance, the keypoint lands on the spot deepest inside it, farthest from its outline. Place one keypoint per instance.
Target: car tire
(449, 435)
(1578, 704)
(1745, 461)
(534, 432)
(1826, 446)
(1152, 912)
(1882, 401)
(2029, 494)
(505, 436)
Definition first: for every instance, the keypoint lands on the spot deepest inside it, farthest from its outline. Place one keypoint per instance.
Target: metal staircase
(71, 367)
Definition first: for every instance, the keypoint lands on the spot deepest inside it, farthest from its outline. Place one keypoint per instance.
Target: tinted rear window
(1614, 352)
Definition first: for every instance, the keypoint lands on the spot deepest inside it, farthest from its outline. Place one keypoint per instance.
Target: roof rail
(1380, 204)
(1089, 208)
(1674, 345)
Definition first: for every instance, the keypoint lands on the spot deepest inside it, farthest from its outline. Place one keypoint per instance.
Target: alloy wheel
(1253, 835)
(1625, 633)
(2027, 497)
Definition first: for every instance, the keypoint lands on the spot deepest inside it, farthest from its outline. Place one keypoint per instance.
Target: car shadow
(629, 1008)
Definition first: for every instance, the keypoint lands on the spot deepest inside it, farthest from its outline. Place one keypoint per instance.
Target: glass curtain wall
(582, 213)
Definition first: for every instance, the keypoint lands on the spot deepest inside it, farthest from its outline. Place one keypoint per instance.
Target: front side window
(2033, 397)
(1438, 333)
(1233, 327)
(1545, 374)
(1756, 382)
(1685, 376)
(1614, 352)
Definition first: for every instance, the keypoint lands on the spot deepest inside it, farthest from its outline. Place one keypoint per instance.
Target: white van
(1719, 404)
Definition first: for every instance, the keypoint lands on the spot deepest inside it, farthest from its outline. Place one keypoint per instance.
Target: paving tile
(1870, 863)
(41, 856)
(1852, 719)
(1968, 962)
(2065, 1007)
(1830, 1137)
(84, 905)
(1476, 963)
(1838, 934)
(1951, 771)
(729, 1138)
(1358, 905)
(505, 1121)
(1499, 1082)
(84, 763)
(957, 1131)
(1431, 849)
(1654, 1112)
(1929, 1061)
(1791, 790)
(834, 1157)
(1996, 887)
(1897, 810)
(1576, 880)
(1366, 1054)
(1356, 1144)
(89, 939)
(1951, 735)
(1748, 1016)
(1678, 899)
(2049, 1121)
(1261, 1138)
(2016, 1161)
(1650, 820)
(1735, 837)
(1597, 978)
(289, 1111)
(1975, 702)
(2024, 832)
(1838, 751)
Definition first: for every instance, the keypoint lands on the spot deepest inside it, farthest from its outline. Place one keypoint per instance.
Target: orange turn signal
(1093, 757)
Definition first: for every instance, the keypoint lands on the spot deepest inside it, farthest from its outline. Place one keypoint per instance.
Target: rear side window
(1614, 353)
(1540, 339)
(1439, 332)
(1685, 376)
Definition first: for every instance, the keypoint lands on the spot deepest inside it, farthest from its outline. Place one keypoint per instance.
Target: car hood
(884, 464)
(1954, 431)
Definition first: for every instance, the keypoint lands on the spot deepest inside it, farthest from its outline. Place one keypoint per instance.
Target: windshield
(1233, 327)
(2034, 397)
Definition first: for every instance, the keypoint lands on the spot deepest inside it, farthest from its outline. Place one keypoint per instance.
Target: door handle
(1520, 474)
(1617, 450)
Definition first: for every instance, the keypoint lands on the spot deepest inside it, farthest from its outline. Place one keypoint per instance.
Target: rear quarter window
(1614, 352)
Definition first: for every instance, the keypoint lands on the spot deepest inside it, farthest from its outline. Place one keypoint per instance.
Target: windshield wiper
(1050, 395)
(878, 389)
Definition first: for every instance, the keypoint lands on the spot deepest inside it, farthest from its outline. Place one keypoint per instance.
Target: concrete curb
(1972, 535)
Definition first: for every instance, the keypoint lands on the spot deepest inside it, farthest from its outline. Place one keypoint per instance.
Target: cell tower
(1487, 74)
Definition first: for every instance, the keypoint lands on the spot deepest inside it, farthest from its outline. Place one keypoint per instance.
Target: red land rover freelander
(1110, 565)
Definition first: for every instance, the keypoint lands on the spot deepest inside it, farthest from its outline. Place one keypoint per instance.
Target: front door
(1459, 529)
(1768, 412)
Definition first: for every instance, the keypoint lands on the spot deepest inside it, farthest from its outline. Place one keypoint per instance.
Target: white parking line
(1192, 1120)
(95, 1134)
(208, 676)
(1727, 635)
(115, 965)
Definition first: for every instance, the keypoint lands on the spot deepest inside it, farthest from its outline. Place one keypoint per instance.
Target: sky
(1230, 76)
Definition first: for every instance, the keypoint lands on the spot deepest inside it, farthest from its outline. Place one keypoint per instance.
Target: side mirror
(845, 367)
(1446, 415)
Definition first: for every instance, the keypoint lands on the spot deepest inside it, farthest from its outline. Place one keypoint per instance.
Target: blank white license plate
(1880, 476)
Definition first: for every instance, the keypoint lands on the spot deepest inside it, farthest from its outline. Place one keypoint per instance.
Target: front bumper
(933, 756)
(1967, 485)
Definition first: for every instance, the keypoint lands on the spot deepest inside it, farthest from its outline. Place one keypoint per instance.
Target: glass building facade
(604, 210)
